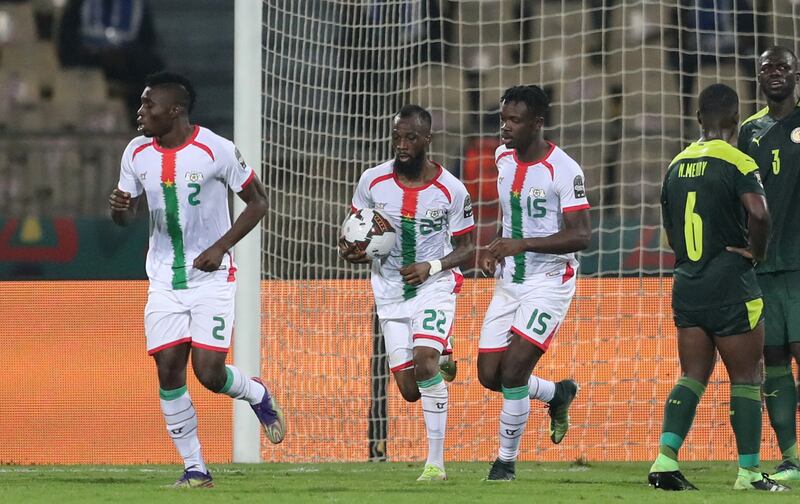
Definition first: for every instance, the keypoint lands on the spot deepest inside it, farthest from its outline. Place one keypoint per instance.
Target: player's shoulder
(563, 164)
(451, 182)
(216, 146)
(502, 152)
(375, 174)
(754, 119)
(136, 145)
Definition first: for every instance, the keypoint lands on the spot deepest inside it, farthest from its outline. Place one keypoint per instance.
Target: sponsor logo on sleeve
(577, 184)
(795, 136)
(758, 178)
(240, 159)
(467, 207)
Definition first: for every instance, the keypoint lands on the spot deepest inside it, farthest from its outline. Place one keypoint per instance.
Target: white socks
(434, 410)
(181, 422)
(240, 386)
(513, 419)
(540, 389)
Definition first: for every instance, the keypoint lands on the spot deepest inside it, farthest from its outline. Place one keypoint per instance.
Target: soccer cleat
(502, 471)
(752, 480)
(270, 415)
(566, 390)
(786, 471)
(193, 479)
(671, 480)
(432, 473)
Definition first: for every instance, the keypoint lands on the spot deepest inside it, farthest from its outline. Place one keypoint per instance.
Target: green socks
(679, 413)
(781, 399)
(746, 423)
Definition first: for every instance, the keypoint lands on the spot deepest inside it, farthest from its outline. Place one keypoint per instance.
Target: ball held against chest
(371, 232)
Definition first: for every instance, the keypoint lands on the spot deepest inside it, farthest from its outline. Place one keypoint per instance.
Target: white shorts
(533, 310)
(426, 320)
(202, 316)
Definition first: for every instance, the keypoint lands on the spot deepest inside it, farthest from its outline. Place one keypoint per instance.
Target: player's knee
(489, 379)
(776, 355)
(211, 379)
(425, 369)
(409, 391)
(514, 376)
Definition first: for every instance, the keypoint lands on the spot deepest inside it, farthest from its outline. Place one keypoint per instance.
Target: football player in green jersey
(772, 138)
(716, 219)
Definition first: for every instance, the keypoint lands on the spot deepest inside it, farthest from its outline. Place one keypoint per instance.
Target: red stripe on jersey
(459, 278)
(141, 148)
(249, 179)
(542, 160)
(541, 346)
(169, 345)
(402, 366)
(444, 190)
(501, 156)
(420, 188)
(231, 269)
(549, 167)
(188, 141)
(409, 206)
(205, 148)
(575, 208)
(353, 208)
(168, 168)
(464, 231)
(380, 179)
(569, 272)
(519, 179)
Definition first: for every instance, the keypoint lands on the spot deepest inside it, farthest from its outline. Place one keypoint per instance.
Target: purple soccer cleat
(194, 479)
(270, 415)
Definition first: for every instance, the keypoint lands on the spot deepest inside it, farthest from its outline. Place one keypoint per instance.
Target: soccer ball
(371, 232)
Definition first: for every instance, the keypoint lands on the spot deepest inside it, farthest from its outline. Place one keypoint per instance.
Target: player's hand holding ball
(119, 200)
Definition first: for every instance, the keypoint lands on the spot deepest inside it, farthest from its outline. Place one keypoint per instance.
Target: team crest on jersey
(143, 175)
(379, 206)
(194, 177)
(535, 192)
(434, 214)
(795, 136)
(577, 183)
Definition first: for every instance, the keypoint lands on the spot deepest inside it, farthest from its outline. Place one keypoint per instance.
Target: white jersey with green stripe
(187, 194)
(534, 197)
(424, 218)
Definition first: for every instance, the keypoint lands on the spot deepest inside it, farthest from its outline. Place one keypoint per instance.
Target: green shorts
(781, 293)
(725, 321)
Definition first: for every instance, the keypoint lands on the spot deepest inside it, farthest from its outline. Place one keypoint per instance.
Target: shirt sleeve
(235, 170)
(460, 219)
(128, 181)
(361, 198)
(747, 178)
(570, 184)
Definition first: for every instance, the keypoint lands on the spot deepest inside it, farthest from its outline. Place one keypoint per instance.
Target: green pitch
(370, 483)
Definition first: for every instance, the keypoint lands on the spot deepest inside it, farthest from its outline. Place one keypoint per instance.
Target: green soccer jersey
(775, 146)
(702, 215)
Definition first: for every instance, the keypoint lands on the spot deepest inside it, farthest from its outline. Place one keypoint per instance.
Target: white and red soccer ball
(371, 232)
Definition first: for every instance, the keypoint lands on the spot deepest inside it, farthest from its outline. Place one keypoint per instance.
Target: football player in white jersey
(545, 221)
(185, 171)
(415, 287)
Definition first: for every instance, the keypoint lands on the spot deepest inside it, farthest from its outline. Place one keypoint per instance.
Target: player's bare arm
(415, 274)
(575, 236)
(350, 253)
(123, 207)
(759, 224)
(255, 197)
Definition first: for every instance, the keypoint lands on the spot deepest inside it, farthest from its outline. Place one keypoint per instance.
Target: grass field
(378, 483)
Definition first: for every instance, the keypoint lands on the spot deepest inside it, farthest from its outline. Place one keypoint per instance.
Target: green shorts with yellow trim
(728, 320)
(781, 293)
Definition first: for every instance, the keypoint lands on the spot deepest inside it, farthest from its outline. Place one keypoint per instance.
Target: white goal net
(622, 77)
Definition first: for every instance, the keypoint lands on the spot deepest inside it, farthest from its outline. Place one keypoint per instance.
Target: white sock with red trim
(542, 390)
(239, 386)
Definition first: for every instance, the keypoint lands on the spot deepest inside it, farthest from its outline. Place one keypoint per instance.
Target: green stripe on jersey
(170, 192)
(516, 221)
(408, 236)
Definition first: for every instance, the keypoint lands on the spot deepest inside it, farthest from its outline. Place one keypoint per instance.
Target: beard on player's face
(410, 168)
(779, 94)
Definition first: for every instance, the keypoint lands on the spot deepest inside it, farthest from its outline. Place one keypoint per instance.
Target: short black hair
(532, 96)
(717, 102)
(185, 95)
(415, 110)
(783, 49)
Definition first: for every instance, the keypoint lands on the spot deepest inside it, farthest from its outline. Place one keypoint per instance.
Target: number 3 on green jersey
(693, 228)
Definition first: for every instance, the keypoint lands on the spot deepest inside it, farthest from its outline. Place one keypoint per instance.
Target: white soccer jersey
(534, 196)
(187, 193)
(424, 219)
